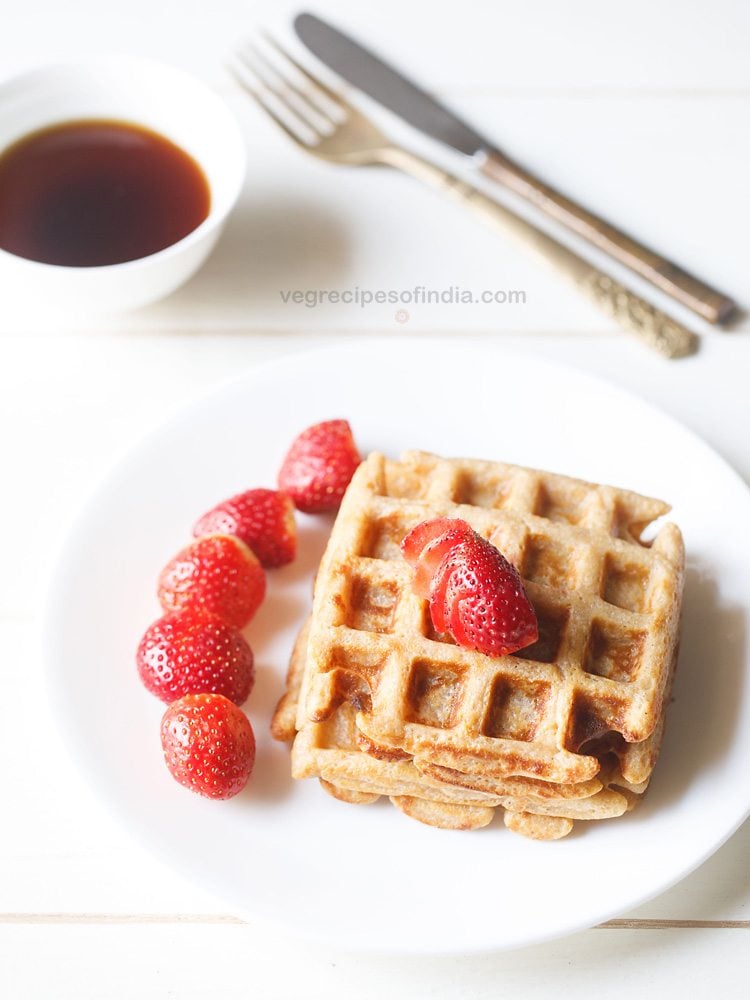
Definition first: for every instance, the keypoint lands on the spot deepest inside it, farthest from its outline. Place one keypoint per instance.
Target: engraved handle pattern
(655, 328)
(664, 274)
(650, 324)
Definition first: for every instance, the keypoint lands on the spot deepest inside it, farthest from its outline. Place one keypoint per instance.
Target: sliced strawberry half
(484, 602)
(439, 608)
(427, 544)
(475, 594)
(420, 536)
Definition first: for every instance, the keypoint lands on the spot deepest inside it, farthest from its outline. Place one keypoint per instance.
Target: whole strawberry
(192, 652)
(475, 594)
(319, 466)
(218, 574)
(208, 744)
(262, 519)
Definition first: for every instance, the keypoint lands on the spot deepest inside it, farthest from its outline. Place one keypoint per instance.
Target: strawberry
(319, 466)
(192, 652)
(262, 519)
(218, 574)
(208, 744)
(475, 594)
(484, 599)
(426, 544)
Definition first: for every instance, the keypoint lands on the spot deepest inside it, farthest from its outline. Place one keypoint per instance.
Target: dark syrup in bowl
(94, 192)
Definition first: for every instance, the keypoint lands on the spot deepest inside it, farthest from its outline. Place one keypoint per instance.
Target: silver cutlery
(370, 74)
(326, 125)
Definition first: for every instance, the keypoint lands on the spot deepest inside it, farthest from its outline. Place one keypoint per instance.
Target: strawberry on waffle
(383, 702)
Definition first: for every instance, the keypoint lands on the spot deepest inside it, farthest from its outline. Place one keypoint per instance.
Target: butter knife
(388, 87)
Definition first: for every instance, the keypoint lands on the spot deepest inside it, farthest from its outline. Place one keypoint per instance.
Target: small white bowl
(147, 93)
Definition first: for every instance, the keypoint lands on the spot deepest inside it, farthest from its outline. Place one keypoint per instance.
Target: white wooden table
(641, 110)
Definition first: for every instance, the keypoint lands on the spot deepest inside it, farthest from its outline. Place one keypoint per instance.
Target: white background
(639, 110)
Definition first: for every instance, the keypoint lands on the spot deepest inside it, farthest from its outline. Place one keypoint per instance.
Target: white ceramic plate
(366, 876)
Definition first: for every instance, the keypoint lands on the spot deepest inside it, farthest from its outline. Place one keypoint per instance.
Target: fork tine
(286, 90)
(303, 135)
(317, 87)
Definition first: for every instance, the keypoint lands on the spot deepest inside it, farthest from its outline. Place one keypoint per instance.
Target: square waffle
(584, 703)
(334, 751)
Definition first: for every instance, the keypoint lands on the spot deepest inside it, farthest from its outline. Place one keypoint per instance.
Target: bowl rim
(217, 214)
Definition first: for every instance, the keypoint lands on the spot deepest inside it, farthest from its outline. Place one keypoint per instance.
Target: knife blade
(372, 75)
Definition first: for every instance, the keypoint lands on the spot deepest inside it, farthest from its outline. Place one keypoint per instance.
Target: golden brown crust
(283, 722)
(569, 728)
(439, 814)
(538, 827)
(348, 794)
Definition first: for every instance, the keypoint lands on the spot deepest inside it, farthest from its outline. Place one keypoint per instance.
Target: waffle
(568, 728)
(335, 752)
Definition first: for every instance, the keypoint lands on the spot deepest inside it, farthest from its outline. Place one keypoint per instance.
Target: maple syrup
(93, 192)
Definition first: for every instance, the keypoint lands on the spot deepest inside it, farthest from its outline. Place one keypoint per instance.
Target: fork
(326, 125)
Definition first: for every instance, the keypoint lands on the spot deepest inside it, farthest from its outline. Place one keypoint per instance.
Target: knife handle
(652, 326)
(701, 298)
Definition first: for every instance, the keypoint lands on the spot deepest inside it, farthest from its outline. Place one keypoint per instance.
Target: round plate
(366, 876)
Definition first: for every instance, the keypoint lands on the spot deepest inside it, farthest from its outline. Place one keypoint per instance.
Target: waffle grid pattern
(599, 669)
(586, 698)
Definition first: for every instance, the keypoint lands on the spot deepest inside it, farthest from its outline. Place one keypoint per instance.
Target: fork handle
(704, 300)
(652, 326)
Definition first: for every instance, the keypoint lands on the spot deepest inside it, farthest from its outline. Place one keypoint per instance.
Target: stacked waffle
(378, 703)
